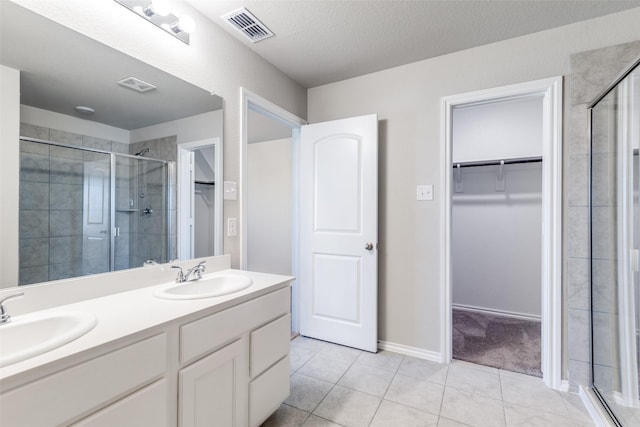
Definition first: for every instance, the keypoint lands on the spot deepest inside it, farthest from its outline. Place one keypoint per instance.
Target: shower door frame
(629, 393)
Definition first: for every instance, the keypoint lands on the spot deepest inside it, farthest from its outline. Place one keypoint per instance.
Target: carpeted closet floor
(497, 341)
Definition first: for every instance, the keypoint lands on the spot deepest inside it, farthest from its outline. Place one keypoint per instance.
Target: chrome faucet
(4, 316)
(195, 271)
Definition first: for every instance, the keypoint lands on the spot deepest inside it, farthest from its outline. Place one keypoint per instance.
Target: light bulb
(161, 7)
(186, 24)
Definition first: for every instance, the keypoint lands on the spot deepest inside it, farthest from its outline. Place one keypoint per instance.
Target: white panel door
(339, 231)
(96, 245)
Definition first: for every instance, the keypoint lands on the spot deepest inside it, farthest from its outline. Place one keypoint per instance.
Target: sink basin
(33, 334)
(207, 287)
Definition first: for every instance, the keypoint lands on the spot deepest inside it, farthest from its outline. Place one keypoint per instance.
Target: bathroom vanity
(152, 361)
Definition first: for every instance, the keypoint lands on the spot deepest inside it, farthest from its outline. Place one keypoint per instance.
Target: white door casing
(551, 90)
(338, 231)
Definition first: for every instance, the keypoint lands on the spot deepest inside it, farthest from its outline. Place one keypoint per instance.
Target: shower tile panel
(34, 195)
(38, 132)
(578, 184)
(604, 189)
(119, 147)
(34, 252)
(65, 249)
(66, 171)
(578, 277)
(604, 242)
(96, 143)
(604, 296)
(30, 275)
(34, 167)
(66, 197)
(594, 70)
(67, 138)
(578, 344)
(578, 130)
(605, 327)
(577, 229)
(65, 223)
(65, 270)
(33, 223)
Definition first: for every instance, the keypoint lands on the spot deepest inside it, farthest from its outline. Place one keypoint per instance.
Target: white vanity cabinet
(214, 367)
(242, 381)
(73, 393)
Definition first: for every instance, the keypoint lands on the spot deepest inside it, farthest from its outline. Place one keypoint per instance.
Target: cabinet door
(213, 391)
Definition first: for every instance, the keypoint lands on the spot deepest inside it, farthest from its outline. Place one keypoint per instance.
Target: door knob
(369, 246)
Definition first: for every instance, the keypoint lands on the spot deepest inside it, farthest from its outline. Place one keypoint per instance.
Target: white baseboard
(432, 356)
(504, 313)
(597, 413)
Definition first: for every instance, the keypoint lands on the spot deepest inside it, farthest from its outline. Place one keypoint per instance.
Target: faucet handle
(4, 316)
(180, 277)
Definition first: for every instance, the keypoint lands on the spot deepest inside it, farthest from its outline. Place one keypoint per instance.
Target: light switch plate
(230, 190)
(424, 192)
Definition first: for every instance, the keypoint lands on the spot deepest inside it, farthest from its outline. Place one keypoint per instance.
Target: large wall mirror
(118, 160)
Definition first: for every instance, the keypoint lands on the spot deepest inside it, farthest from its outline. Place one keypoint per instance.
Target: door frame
(551, 91)
(185, 191)
(250, 101)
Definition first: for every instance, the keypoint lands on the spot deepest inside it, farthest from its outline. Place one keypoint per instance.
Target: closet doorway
(200, 199)
(501, 211)
(496, 234)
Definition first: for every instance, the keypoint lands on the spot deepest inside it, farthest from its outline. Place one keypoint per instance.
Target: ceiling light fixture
(158, 12)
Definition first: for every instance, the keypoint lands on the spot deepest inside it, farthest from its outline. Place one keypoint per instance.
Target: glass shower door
(615, 228)
(142, 215)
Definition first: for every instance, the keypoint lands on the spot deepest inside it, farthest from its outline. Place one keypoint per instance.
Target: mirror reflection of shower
(86, 211)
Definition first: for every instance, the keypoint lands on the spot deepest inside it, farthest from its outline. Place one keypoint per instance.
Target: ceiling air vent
(136, 84)
(244, 21)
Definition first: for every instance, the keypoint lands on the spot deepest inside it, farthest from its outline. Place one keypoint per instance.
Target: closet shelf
(497, 162)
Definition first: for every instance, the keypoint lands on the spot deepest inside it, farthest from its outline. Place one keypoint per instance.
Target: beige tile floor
(333, 385)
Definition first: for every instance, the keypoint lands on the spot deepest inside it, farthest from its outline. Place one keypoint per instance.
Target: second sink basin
(207, 287)
(33, 334)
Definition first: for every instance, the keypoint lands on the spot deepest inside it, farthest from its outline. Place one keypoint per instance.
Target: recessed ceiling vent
(136, 84)
(244, 21)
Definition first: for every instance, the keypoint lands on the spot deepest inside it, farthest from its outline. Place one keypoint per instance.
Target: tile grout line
(382, 399)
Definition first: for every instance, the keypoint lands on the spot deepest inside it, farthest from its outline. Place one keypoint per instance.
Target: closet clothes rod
(498, 162)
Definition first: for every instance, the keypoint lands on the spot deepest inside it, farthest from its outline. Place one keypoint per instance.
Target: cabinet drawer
(147, 407)
(204, 335)
(268, 391)
(80, 390)
(269, 344)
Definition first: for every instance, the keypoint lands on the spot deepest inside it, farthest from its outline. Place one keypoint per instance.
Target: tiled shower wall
(51, 206)
(591, 73)
(147, 231)
(51, 183)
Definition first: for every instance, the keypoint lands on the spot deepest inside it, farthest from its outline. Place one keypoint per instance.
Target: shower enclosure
(615, 240)
(85, 211)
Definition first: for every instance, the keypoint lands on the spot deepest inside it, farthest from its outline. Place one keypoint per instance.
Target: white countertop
(125, 314)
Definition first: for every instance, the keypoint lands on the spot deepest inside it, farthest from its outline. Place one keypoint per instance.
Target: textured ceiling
(322, 41)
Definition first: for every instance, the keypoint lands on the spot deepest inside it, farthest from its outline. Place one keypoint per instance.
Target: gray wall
(408, 101)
